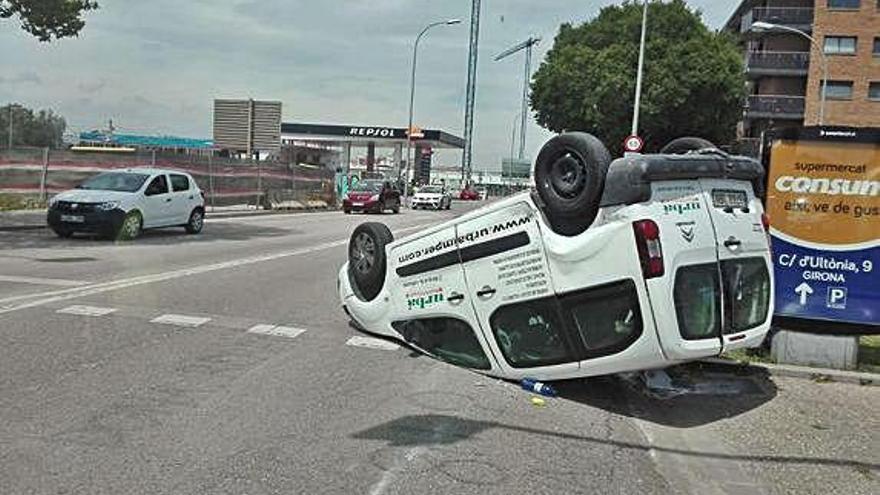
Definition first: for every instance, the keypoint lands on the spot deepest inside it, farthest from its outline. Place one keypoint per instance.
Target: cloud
(22, 78)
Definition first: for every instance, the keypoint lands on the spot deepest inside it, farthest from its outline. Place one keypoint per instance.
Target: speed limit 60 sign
(633, 144)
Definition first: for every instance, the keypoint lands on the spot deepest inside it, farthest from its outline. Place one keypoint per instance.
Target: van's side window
(179, 183)
(607, 318)
(448, 339)
(530, 334)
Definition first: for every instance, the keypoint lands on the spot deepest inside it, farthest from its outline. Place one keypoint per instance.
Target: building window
(844, 4)
(839, 90)
(877, 44)
(840, 45)
(874, 91)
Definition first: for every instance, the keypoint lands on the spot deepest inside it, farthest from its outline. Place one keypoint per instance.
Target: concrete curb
(41, 224)
(816, 374)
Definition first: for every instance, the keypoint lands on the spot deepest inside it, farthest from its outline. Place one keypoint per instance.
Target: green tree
(693, 80)
(48, 19)
(43, 128)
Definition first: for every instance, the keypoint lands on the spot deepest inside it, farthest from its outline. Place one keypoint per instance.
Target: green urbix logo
(682, 206)
(421, 302)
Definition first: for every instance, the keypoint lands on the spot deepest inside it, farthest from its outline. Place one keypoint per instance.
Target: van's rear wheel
(686, 144)
(570, 177)
(366, 258)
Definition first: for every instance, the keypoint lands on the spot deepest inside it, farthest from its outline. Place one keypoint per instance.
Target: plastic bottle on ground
(537, 387)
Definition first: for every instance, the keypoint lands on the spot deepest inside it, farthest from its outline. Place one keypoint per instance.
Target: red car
(372, 196)
(469, 194)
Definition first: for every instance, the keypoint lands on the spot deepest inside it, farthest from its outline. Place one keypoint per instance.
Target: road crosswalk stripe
(372, 343)
(82, 310)
(277, 331)
(181, 320)
(40, 281)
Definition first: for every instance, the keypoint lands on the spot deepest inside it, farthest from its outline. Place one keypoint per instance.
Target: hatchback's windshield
(368, 186)
(431, 190)
(115, 181)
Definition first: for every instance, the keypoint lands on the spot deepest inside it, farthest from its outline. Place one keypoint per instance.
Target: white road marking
(277, 331)
(40, 281)
(181, 320)
(86, 310)
(372, 343)
(88, 290)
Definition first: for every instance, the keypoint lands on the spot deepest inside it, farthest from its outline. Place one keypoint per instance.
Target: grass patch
(757, 355)
(869, 353)
(20, 202)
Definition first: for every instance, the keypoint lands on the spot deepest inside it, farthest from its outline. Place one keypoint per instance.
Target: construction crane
(527, 46)
(471, 92)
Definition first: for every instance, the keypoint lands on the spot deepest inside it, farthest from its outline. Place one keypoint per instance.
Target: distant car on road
(469, 194)
(434, 197)
(122, 203)
(601, 268)
(372, 196)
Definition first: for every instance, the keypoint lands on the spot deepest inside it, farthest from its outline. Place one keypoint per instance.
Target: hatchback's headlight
(374, 197)
(52, 202)
(108, 205)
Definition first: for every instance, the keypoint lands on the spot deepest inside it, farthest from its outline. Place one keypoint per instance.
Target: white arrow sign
(803, 290)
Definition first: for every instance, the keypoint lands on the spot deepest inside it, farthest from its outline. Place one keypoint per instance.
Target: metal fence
(37, 173)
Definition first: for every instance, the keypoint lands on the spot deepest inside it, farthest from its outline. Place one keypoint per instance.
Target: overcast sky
(155, 66)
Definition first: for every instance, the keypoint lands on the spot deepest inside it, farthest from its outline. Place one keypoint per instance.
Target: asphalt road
(252, 386)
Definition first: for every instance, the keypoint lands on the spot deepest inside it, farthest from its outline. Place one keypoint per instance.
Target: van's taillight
(650, 251)
(765, 221)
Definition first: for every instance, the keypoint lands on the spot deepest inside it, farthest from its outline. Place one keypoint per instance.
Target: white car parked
(653, 260)
(434, 197)
(121, 203)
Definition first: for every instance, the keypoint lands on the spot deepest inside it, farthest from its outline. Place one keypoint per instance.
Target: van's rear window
(697, 297)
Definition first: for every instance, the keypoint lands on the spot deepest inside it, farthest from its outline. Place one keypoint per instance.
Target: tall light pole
(412, 95)
(760, 26)
(638, 102)
(527, 46)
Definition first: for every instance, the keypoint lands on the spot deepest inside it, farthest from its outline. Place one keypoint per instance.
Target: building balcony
(796, 17)
(777, 63)
(775, 107)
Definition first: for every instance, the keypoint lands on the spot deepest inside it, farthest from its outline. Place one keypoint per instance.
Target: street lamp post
(638, 102)
(759, 26)
(412, 96)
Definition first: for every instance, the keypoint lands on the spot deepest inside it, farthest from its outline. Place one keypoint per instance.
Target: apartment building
(787, 51)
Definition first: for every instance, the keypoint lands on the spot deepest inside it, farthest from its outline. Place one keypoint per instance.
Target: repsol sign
(381, 132)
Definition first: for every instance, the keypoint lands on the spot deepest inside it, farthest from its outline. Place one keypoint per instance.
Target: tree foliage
(43, 128)
(693, 78)
(48, 19)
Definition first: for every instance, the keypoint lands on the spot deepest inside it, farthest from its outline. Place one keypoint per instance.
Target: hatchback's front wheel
(131, 227)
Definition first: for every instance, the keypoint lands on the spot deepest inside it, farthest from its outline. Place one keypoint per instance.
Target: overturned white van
(602, 268)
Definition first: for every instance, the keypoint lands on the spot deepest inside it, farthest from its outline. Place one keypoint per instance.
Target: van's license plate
(729, 198)
(72, 218)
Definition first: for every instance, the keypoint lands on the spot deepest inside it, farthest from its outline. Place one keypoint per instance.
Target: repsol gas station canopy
(361, 135)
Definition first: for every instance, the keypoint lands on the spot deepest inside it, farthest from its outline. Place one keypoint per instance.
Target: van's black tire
(686, 144)
(570, 177)
(367, 261)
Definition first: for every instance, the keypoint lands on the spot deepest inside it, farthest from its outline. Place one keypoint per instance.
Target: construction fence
(35, 174)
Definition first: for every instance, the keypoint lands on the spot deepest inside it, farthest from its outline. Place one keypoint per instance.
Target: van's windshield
(115, 181)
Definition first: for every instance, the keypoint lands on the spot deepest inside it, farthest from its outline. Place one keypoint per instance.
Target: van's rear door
(686, 300)
(743, 254)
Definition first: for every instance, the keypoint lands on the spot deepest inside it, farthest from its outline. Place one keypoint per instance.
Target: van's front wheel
(367, 261)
